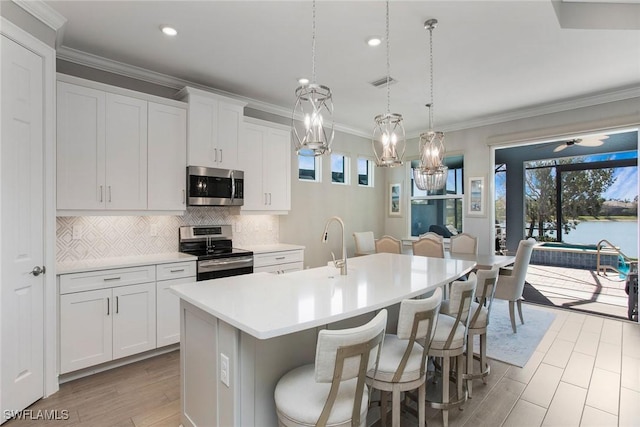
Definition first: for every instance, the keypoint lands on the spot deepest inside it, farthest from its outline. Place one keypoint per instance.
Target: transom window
(365, 172)
(339, 168)
(309, 168)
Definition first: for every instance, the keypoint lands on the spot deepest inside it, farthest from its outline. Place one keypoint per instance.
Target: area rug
(515, 349)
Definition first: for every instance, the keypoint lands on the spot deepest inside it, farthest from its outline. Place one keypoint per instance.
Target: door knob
(38, 271)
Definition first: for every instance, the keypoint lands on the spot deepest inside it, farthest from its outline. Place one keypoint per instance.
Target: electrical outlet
(76, 232)
(153, 230)
(224, 369)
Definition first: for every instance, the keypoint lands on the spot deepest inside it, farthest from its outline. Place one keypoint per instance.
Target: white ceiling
(492, 59)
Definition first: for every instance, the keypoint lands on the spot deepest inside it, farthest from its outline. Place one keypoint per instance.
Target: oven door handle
(225, 262)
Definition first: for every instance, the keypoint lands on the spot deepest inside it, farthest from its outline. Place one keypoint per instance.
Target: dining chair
(511, 281)
(428, 247)
(478, 322)
(333, 390)
(365, 243)
(389, 244)
(449, 342)
(403, 359)
(431, 235)
(463, 243)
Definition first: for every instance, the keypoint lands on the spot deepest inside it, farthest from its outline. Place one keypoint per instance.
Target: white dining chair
(365, 243)
(463, 243)
(332, 391)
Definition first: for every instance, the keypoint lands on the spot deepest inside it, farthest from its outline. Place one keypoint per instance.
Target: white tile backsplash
(114, 236)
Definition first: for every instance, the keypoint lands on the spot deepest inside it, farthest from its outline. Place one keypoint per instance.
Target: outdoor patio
(578, 289)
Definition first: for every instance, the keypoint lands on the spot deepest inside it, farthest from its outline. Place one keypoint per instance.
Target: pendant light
(431, 174)
(388, 135)
(314, 134)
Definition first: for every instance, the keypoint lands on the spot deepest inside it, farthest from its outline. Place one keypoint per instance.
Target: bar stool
(449, 341)
(389, 244)
(478, 322)
(402, 364)
(332, 391)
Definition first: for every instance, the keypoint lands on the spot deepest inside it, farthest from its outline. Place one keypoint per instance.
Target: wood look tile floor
(585, 372)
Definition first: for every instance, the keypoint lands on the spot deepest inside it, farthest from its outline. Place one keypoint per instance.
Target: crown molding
(104, 64)
(43, 12)
(556, 107)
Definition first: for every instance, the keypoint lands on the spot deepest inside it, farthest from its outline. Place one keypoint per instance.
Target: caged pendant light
(314, 134)
(388, 135)
(431, 174)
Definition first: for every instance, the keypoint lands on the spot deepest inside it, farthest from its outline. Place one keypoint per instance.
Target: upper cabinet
(118, 150)
(265, 157)
(214, 129)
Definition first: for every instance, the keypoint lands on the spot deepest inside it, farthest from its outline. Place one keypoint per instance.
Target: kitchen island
(240, 334)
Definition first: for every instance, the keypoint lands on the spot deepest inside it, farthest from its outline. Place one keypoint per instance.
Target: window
(365, 172)
(440, 208)
(339, 168)
(309, 168)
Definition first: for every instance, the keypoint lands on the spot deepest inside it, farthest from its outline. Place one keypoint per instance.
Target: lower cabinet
(279, 262)
(108, 322)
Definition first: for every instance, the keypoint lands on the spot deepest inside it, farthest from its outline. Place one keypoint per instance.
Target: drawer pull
(117, 305)
(177, 270)
(107, 279)
(280, 257)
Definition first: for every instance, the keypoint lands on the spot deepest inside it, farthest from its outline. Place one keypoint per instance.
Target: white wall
(477, 144)
(313, 203)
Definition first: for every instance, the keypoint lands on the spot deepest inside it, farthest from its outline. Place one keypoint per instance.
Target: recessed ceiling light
(303, 80)
(170, 31)
(374, 40)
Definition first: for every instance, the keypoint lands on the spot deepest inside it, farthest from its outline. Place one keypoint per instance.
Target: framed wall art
(395, 197)
(476, 196)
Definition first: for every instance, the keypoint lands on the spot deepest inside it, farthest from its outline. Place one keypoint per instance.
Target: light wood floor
(585, 372)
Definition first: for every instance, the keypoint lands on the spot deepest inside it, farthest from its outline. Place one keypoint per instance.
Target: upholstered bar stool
(365, 243)
(428, 247)
(478, 322)
(403, 359)
(333, 391)
(463, 244)
(449, 342)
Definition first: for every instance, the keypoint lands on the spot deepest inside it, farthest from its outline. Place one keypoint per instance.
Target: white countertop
(120, 262)
(275, 247)
(269, 305)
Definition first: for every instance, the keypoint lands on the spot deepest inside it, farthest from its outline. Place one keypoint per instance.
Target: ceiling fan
(589, 141)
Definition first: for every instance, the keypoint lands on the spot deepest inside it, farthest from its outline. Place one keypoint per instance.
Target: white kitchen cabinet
(101, 150)
(265, 153)
(214, 124)
(278, 262)
(167, 156)
(85, 329)
(134, 319)
(168, 304)
(109, 321)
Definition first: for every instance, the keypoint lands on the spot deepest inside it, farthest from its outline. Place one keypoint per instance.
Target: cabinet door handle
(109, 187)
(265, 198)
(108, 305)
(101, 194)
(221, 155)
(107, 279)
(269, 199)
(184, 196)
(117, 304)
(279, 258)
(215, 155)
(178, 270)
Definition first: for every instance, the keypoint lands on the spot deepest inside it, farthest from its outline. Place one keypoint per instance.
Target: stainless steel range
(216, 255)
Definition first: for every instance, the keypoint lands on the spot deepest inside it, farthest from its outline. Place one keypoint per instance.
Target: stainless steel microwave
(214, 187)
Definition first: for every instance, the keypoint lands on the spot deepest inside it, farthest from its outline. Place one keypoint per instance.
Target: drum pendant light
(313, 130)
(388, 140)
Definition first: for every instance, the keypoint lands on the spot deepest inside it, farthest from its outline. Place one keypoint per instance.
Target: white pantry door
(22, 224)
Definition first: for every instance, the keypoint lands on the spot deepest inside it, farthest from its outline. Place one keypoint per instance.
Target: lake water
(623, 234)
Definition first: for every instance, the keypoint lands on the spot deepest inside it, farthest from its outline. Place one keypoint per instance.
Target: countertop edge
(81, 266)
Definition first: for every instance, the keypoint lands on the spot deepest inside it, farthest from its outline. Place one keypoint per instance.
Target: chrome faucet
(342, 262)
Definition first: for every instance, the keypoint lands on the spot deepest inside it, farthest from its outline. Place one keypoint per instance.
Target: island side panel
(229, 401)
(264, 362)
(198, 362)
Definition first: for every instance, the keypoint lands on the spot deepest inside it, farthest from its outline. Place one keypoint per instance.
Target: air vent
(382, 82)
